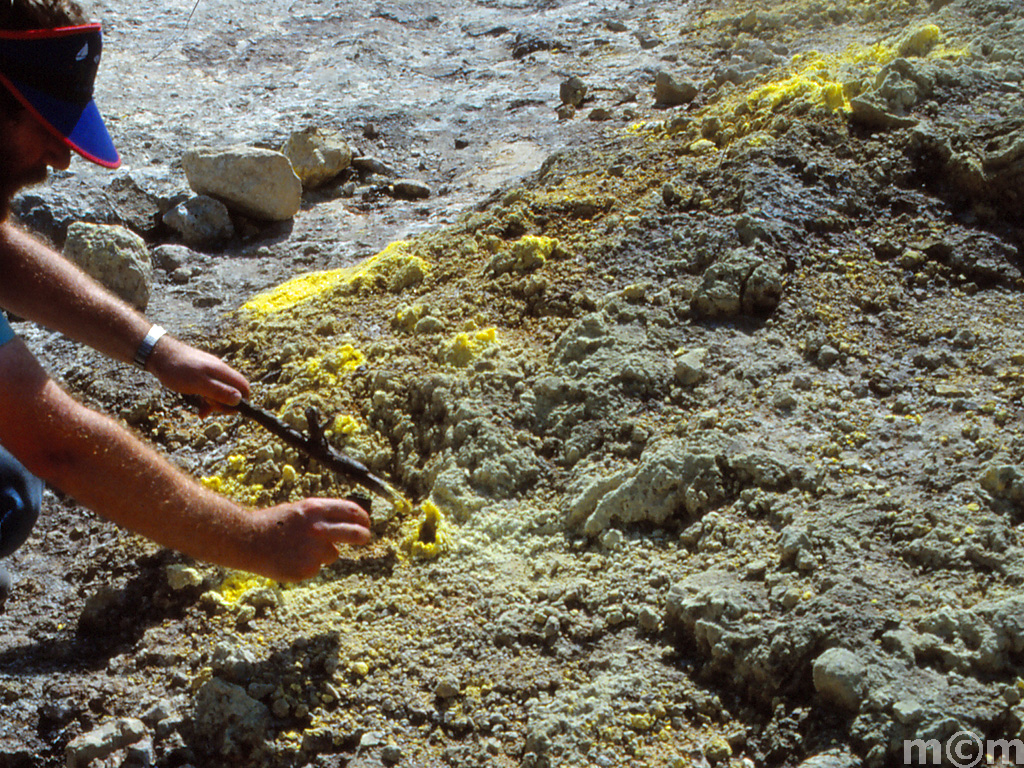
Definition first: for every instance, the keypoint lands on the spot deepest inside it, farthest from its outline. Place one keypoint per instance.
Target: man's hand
(295, 540)
(190, 371)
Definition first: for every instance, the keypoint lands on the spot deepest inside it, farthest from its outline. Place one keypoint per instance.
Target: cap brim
(79, 126)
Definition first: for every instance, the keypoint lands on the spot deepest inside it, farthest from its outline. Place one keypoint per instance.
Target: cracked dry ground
(722, 414)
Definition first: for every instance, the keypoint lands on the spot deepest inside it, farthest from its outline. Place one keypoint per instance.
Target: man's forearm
(100, 464)
(113, 473)
(39, 284)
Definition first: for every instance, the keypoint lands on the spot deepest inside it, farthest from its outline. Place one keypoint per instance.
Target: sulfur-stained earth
(706, 393)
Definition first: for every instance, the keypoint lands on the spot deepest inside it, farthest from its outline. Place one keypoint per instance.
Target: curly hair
(35, 14)
(40, 14)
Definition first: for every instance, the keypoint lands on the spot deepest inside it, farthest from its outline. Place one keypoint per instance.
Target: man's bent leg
(21, 497)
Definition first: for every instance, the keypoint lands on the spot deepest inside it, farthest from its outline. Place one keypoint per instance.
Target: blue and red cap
(51, 72)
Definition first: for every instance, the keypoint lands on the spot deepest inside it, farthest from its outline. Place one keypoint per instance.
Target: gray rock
(573, 91)
(160, 710)
(172, 257)
(410, 189)
(368, 165)
(792, 541)
(391, 754)
(612, 539)
(907, 711)
(649, 620)
(739, 283)
(828, 356)
(690, 367)
(232, 663)
(256, 182)
(589, 491)
(671, 92)
(646, 40)
(837, 758)
(104, 741)
(668, 478)
(227, 719)
(317, 156)
(371, 739)
(869, 112)
(181, 276)
(141, 754)
(141, 196)
(1004, 481)
(201, 221)
(446, 689)
(428, 324)
(113, 256)
(840, 678)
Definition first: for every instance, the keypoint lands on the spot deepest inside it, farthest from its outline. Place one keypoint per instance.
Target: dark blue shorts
(21, 496)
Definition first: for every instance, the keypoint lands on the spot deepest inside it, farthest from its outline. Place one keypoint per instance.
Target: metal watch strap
(146, 346)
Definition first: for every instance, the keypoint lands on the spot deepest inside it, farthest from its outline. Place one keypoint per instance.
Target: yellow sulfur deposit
(533, 250)
(292, 292)
(343, 359)
(465, 346)
(231, 483)
(814, 82)
(346, 425)
(238, 583)
(919, 42)
(392, 269)
(325, 370)
(234, 488)
(402, 505)
(429, 538)
(406, 317)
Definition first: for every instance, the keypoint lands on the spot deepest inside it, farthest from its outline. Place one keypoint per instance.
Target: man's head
(48, 60)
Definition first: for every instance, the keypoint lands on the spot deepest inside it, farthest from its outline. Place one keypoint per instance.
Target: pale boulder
(114, 257)
(317, 156)
(259, 183)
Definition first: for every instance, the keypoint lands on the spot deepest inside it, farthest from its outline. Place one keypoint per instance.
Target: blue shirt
(6, 334)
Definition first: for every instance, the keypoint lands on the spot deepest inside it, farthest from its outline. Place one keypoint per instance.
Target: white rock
(113, 256)
(317, 156)
(182, 577)
(259, 183)
(227, 719)
(103, 741)
(689, 368)
(840, 677)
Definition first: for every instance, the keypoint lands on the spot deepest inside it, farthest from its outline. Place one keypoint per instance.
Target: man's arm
(105, 468)
(39, 284)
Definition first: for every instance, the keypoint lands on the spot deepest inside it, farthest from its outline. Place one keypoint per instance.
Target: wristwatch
(146, 346)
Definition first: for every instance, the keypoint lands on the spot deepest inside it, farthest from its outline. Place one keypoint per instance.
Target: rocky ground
(714, 381)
